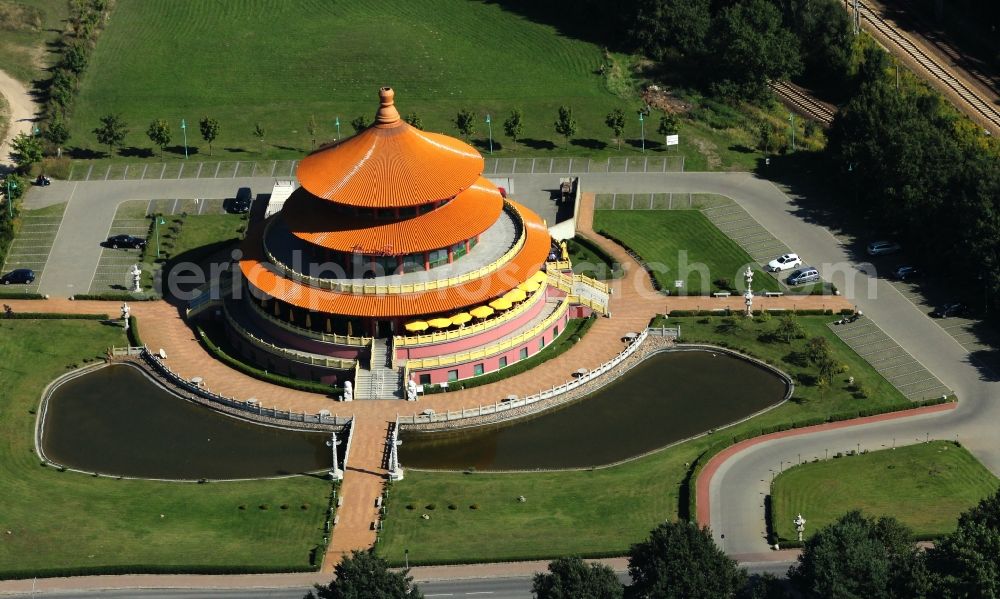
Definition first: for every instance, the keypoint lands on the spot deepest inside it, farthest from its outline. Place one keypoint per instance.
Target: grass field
(683, 245)
(68, 520)
(600, 511)
(924, 486)
(281, 63)
(25, 28)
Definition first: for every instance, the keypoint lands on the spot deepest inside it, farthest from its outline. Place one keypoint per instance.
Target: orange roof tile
(391, 164)
(519, 269)
(469, 214)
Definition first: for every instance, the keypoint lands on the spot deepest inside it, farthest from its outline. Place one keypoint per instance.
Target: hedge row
(54, 316)
(398, 563)
(268, 377)
(19, 296)
(134, 339)
(723, 312)
(116, 296)
(552, 351)
(722, 444)
(148, 569)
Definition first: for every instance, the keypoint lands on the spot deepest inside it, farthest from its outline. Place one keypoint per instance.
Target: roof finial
(387, 113)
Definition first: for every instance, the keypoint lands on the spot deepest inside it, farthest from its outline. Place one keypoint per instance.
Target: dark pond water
(117, 421)
(669, 397)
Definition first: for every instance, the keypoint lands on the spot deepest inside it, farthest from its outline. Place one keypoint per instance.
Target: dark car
(21, 276)
(242, 202)
(952, 309)
(904, 273)
(125, 241)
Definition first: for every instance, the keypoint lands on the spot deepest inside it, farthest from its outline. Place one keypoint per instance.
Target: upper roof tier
(391, 164)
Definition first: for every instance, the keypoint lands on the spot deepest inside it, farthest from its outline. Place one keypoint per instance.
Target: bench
(340, 501)
(378, 501)
(336, 520)
(721, 294)
(774, 293)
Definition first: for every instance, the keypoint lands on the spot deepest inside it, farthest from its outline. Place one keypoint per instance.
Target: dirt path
(22, 114)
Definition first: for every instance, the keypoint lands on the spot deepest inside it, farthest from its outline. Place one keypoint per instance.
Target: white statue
(800, 525)
(411, 390)
(348, 391)
(126, 311)
(748, 296)
(136, 273)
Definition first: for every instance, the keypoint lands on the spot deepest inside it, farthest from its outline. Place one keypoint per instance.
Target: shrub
(452, 506)
(474, 506)
(264, 506)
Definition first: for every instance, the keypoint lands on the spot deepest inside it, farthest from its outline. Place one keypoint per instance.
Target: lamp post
(11, 185)
(335, 472)
(156, 227)
(337, 123)
(642, 131)
(791, 120)
(184, 129)
(489, 124)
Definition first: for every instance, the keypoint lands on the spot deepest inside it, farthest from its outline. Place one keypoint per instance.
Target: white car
(784, 262)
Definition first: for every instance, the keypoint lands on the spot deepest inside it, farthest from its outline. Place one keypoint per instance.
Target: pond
(669, 397)
(117, 421)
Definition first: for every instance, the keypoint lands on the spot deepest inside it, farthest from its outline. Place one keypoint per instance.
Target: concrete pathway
(22, 114)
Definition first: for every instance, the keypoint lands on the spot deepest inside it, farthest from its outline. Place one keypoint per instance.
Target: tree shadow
(742, 149)
(589, 143)
(235, 150)
(134, 152)
(179, 150)
(537, 144)
(483, 143)
(289, 148)
(84, 153)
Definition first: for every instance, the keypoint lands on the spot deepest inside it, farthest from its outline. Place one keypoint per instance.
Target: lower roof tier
(316, 221)
(267, 278)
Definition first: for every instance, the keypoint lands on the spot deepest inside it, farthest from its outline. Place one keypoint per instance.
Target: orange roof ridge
(387, 115)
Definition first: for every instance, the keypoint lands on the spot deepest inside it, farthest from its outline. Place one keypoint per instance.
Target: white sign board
(678, 284)
(673, 140)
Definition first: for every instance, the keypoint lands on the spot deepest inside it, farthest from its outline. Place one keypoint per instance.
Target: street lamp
(156, 227)
(791, 120)
(11, 185)
(642, 131)
(337, 123)
(489, 123)
(335, 473)
(184, 128)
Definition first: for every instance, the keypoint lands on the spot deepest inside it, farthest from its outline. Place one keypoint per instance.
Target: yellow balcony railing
(335, 285)
(326, 337)
(290, 354)
(496, 348)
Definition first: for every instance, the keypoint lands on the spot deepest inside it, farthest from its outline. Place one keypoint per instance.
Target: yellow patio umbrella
(416, 326)
(529, 286)
(481, 311)
(440, 323)
(461, 318)
(500, 304)
(539, 277)
(515, 295)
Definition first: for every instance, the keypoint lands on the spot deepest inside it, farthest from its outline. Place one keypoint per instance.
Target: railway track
(981, 107)
(805, 103)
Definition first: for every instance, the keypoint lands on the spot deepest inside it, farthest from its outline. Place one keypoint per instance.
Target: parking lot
(31, 247)
(112, 272)
(890, 360)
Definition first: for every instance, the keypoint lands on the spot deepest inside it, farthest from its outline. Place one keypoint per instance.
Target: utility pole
(184, 128)
(642, 131)
(791, 119)
(489, 123)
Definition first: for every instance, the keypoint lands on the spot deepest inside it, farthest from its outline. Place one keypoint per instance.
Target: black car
(904, 273)
(952, 309)
(241, 203)
(125, 241)
(22, 276)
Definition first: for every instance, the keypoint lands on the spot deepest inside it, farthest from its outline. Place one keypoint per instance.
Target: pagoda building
(395, 260)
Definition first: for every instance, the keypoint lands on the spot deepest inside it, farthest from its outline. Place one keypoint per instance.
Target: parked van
(803, 275)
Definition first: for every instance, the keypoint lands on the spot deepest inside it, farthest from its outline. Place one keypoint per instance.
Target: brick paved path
(634, 302)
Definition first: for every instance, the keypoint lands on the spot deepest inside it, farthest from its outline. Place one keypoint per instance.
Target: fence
(507, 406)
(659, 201)
(673, 332)
(568, 166)
(248, 406)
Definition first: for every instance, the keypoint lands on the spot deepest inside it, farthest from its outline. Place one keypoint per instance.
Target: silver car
(881, 248)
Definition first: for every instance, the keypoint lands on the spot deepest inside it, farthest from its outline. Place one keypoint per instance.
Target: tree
(258, 132)
(74, 57)
(514, 126)
(681, 561)
(966, 560)
(817, 349)
(209, 131)
(26, 150)
(159, 133)
(751, 46)
(566, 124)
(860, 557)
(669, 125)
(61, 87)
(662, 26)
(414, 120)
(572, 578)
(616, 122)
(788, 328)
(359, 124)
(112, 131)
(363, 575)
(56, 132)
(465, 123)
(311, 129)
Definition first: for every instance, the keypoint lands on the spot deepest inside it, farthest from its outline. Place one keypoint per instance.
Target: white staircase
(380, 380)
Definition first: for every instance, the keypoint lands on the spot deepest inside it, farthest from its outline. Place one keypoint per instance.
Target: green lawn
(924, 486)
(200, 230)
(591, 261)
(602, 511)
(23, 38)
(68, 520)
(682, 245)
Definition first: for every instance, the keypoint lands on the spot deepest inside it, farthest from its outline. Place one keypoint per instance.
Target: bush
(54, 316)
(19, 296)
(133, 332)
(474, 506)
(117, 296)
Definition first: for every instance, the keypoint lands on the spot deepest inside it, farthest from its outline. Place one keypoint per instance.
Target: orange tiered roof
(391, 164)
(469, 214)
(519, 269)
